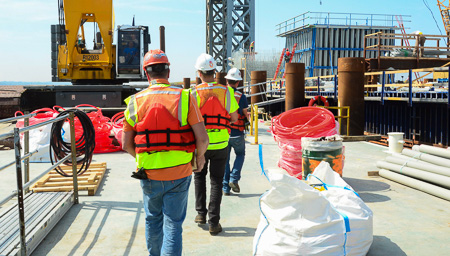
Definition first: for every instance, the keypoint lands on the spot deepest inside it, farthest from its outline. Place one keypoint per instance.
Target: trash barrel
(316, 150)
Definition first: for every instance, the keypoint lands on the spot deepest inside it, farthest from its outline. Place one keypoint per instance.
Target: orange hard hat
(154, 57)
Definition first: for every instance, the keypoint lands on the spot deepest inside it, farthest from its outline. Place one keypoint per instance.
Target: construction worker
(163, 128)
(219, 109)
(287, 56)
(420, 42)
(237, 136)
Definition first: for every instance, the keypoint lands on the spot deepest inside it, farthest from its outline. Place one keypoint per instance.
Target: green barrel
(316, 150)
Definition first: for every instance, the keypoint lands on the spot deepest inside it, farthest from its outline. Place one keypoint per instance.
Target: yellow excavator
(98, 62)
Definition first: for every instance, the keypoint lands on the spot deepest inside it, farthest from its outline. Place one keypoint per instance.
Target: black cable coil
(84, 145)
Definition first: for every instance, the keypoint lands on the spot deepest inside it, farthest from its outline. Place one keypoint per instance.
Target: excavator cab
(132, 44)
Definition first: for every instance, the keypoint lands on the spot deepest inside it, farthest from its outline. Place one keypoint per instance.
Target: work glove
(140, 174)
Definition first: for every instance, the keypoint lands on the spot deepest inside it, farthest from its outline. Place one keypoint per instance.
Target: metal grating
(42, 212)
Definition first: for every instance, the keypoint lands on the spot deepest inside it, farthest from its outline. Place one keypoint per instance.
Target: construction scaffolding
(322, 38)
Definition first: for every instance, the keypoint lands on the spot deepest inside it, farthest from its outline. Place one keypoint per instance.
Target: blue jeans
(238, 144)
(165, 204)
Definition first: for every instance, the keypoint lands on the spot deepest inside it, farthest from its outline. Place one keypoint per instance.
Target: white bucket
(395, 142)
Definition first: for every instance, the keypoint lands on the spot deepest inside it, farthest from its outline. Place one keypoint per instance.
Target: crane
(444, 8)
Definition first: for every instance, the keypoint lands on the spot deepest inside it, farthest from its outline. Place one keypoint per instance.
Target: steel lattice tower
(230, 26)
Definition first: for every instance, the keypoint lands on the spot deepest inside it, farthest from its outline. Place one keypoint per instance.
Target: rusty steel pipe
(187, 83)
(220, 78)
(295, 85)
(258, 77)
(351, 92)
(198, 80)
(162, 38)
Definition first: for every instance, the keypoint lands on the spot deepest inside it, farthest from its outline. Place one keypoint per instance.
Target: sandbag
(297, 219)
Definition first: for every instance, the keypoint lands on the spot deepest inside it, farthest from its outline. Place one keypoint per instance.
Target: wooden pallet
(89, 180)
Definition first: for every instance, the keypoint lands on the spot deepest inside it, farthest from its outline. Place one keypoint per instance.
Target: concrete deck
(406, 221)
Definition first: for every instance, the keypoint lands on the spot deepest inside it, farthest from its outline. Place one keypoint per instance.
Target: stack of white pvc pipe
(425, 168)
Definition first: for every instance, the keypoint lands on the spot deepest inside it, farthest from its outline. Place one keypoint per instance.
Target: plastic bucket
(395, 141)
(315, 152)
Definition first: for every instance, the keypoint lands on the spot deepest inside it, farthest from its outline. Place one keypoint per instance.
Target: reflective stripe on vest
(164, 159)
(240, 123)
(227, 97)
(131, 111)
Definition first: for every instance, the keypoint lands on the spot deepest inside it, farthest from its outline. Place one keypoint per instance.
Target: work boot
(226, 193)
(235, 187)
(200, 219)
(215, 229)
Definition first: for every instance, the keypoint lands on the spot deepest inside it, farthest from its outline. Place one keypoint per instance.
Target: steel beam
(230, 26)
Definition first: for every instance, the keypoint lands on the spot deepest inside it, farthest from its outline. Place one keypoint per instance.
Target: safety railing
(385, 42)
(314, 85)
(385, 88)
(341, 116)
(381, 85)
(254, 122)
(337, 19)
(24, 184)
(272, 88)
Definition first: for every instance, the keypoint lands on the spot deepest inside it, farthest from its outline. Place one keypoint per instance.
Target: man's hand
(200, 163)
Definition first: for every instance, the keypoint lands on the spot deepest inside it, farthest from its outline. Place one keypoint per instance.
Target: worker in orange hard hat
(287, 56)
(163, 129)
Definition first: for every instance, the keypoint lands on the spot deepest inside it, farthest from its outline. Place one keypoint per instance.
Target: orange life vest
(240, 123)
(214, 104)
(164, 126)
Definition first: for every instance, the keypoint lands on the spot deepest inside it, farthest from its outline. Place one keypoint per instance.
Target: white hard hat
(234, 74)
(205, 62)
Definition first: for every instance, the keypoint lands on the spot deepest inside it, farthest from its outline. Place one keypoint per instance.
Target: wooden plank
(43, 180)
(91, 178)
(70, 172)
(92, 165)
(373, 173)
(63, 184)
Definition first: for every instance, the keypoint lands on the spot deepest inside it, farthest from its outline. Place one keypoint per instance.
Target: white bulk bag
(297, 219)
(40, 141)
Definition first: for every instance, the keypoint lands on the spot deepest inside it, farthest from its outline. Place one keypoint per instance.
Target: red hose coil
(117, 125)
(288, 129)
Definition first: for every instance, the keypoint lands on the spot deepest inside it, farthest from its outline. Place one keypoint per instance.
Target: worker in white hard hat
(219, 109)
(237, 136)
(420, 42)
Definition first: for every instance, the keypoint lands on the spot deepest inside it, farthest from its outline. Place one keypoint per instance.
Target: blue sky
(25, 28)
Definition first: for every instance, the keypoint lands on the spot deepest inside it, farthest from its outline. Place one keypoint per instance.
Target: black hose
(84, 145)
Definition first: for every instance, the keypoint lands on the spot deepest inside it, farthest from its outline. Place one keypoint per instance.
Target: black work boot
(200, 219)
(215, 229)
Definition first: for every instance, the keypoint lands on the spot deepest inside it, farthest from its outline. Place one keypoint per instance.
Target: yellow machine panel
(75, 61)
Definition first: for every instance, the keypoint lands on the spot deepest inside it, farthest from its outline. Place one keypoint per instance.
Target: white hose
(421, 165)
(417, 184)
(416, 173)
